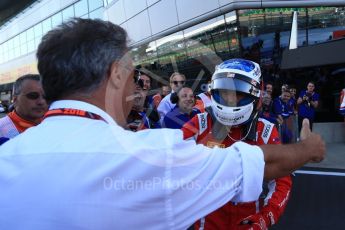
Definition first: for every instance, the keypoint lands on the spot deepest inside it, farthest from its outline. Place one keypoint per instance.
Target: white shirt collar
(74, 104)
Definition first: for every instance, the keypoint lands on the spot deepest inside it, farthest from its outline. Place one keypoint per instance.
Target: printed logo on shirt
(286, 198)
(212, 144)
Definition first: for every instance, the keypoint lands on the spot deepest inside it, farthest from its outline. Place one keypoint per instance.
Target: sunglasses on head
(177, 82)
(34, 95)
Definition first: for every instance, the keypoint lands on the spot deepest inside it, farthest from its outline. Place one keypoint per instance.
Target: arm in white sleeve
(211, 178)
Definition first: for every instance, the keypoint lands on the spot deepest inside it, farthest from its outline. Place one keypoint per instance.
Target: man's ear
(115, 77)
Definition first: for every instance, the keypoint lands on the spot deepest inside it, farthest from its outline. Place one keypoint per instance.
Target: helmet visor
(237, 85)
(231, 98)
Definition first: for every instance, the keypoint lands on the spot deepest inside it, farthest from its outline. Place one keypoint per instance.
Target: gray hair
(76, 57)
(18, 85)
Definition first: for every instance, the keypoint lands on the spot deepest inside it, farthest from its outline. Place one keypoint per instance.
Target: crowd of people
(286, 111)
(228, 113)
(109, 155)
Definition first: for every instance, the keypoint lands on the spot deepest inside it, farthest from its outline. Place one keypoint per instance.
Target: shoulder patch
(267, 130)
(205, 99)
(202, 118)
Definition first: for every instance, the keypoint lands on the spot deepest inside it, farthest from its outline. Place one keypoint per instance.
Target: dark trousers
(300, 121)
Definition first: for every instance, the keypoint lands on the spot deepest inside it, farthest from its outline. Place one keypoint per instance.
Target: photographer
(307, 102)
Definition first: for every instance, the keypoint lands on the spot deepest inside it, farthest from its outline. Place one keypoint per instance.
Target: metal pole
(307, 26)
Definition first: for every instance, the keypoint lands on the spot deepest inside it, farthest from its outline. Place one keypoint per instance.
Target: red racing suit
(269, 206)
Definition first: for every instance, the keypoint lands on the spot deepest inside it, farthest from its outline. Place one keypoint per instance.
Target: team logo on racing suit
(266, 131)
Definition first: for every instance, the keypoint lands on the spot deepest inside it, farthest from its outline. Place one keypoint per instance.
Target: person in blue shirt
(282, 106)
(283, 111)
(183, 111)
(307, 102)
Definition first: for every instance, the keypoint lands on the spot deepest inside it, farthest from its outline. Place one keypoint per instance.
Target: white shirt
(78, 173)
(164, 107)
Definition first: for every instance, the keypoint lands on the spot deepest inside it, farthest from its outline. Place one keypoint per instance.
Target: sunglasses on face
(34, 95)
(178, 82)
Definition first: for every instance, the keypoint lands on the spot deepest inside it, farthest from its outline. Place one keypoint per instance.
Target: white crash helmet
(238, 75)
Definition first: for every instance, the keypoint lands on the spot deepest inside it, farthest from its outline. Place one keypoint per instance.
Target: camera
(309, 98)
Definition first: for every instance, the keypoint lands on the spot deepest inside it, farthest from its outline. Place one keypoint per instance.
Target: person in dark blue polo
(282, 106)
(307, 102)
(183, 110)
(283, 110)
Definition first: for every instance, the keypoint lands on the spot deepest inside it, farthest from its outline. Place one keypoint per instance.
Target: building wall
(20, 37)
(38, 12)
(151, 19)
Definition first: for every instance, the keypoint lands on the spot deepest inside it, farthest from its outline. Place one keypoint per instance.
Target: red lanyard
(73, 112)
